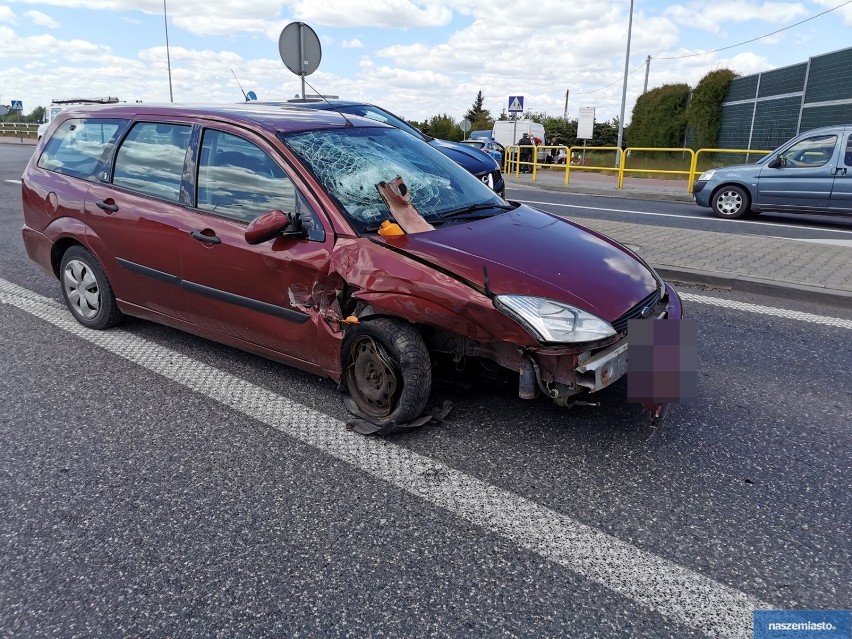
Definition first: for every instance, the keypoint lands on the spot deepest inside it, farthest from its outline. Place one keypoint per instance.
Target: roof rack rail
(106, 100)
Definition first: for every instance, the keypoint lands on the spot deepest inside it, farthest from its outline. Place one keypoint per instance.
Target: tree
(659, 117)
(480, 118)
(704, 112)
(443, 127)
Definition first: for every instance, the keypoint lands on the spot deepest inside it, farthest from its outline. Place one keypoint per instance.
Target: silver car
(812, 173)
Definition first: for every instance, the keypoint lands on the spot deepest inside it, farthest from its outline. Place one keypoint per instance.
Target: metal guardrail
(513, 164)
(19, 129)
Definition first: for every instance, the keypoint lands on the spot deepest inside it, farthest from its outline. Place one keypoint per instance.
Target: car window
(238, 180)
(380, 115)
(151, 158)
(78, 147)
(810, 152)
(847, 158)
(350, 162)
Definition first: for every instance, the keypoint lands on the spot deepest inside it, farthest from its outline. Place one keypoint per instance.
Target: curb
(603, 192)
(19, 141)
(755, 285)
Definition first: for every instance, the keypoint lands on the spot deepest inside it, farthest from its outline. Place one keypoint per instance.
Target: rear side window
(79, 147)
(150, 160)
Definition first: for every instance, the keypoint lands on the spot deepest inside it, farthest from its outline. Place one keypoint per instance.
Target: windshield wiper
(473, 208)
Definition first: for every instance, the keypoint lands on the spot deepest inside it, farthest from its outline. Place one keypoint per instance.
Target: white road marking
(680, 217)
(13, 181)
(767, 310)
(846, 243)
(678, 593)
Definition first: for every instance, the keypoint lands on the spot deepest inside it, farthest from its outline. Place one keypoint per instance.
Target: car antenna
(239, 85)
(333, 108)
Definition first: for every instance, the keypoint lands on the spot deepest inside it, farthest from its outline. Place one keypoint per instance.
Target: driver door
(804, 177)
(257, 294)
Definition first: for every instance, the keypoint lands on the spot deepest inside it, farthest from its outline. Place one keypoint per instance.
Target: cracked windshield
(351, 162)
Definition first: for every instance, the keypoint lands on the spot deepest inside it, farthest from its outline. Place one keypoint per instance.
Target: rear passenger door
(137, 217)
(258, 294)
(841, 194)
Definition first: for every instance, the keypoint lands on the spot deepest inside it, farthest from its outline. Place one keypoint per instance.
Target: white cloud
(713, 17)
(845, 11)
(7, 15)
(42, 19)
(400, 14)
(354, 43)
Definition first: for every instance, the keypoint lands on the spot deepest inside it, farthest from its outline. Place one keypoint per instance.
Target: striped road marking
(768, 310)
(682, 595)
(13, 181)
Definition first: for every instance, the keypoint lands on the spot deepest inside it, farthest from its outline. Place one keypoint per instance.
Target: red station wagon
(333, 243)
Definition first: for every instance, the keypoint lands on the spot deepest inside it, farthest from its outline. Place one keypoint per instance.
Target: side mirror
(266, 227)
(775, 162)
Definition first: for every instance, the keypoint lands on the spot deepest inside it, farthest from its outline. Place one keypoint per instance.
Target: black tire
(731, 202)
(87, 291)
(387, 370)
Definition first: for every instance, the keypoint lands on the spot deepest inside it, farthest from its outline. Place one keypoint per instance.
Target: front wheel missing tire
(386, 370)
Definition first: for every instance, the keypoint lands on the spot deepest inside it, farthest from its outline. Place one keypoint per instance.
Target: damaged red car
(336, 244)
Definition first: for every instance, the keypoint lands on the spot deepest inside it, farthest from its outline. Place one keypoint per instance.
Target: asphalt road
(157, 484)
(684, 215)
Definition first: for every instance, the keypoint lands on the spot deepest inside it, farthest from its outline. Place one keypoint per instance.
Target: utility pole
(168, 57)
(647, 68)
(565, 115)
(624, 86)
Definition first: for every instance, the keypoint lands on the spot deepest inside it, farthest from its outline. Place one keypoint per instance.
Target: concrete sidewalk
(793, 269)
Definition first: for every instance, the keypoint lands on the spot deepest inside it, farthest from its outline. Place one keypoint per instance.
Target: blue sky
(416, 58)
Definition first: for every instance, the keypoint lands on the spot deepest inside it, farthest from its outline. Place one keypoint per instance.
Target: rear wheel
(87, 291)
(731, 202)
(387, 370)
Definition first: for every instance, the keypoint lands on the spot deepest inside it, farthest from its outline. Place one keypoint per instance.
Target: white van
(57, 105)
(508, 132)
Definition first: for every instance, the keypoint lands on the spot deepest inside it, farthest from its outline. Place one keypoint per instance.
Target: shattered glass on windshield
(351, 162)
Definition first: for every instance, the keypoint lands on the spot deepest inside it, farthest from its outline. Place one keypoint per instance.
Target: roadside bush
(704, 113)
(659, 117)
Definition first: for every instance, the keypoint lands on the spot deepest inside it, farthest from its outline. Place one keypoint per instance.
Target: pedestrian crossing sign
(17, 105)
(516, 104)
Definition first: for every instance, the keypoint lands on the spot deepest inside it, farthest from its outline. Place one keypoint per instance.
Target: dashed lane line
(768, 310)
(682, 595)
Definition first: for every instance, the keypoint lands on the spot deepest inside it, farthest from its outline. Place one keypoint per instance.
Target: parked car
(485, 169)
(339, 245)
(811, 173)
(488, 146)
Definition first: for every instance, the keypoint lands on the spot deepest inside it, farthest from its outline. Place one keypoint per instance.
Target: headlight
(550, 321)
(707, 174)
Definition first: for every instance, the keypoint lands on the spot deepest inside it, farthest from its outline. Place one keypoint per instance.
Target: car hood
(527, 252)
(473, 159)
(738, 170)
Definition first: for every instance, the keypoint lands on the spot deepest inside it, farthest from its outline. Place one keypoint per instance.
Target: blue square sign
(516, 104)
(17, 105)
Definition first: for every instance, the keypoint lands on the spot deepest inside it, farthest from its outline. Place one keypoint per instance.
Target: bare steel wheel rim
(373, 378)
(81, 289)
(729, 203)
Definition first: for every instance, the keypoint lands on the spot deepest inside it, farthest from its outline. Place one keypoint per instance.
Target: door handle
(840, 170)
(210, 239)
(107, 205)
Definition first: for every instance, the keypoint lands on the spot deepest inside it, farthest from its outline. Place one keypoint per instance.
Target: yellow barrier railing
(576, 161)
(630, 151)
(694, 172)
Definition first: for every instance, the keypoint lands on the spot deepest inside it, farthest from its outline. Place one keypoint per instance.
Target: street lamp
(624, 86)
(168, 57)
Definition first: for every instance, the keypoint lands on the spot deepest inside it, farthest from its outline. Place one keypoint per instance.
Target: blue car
(811, 173)
(480, 164)
(489, 146)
